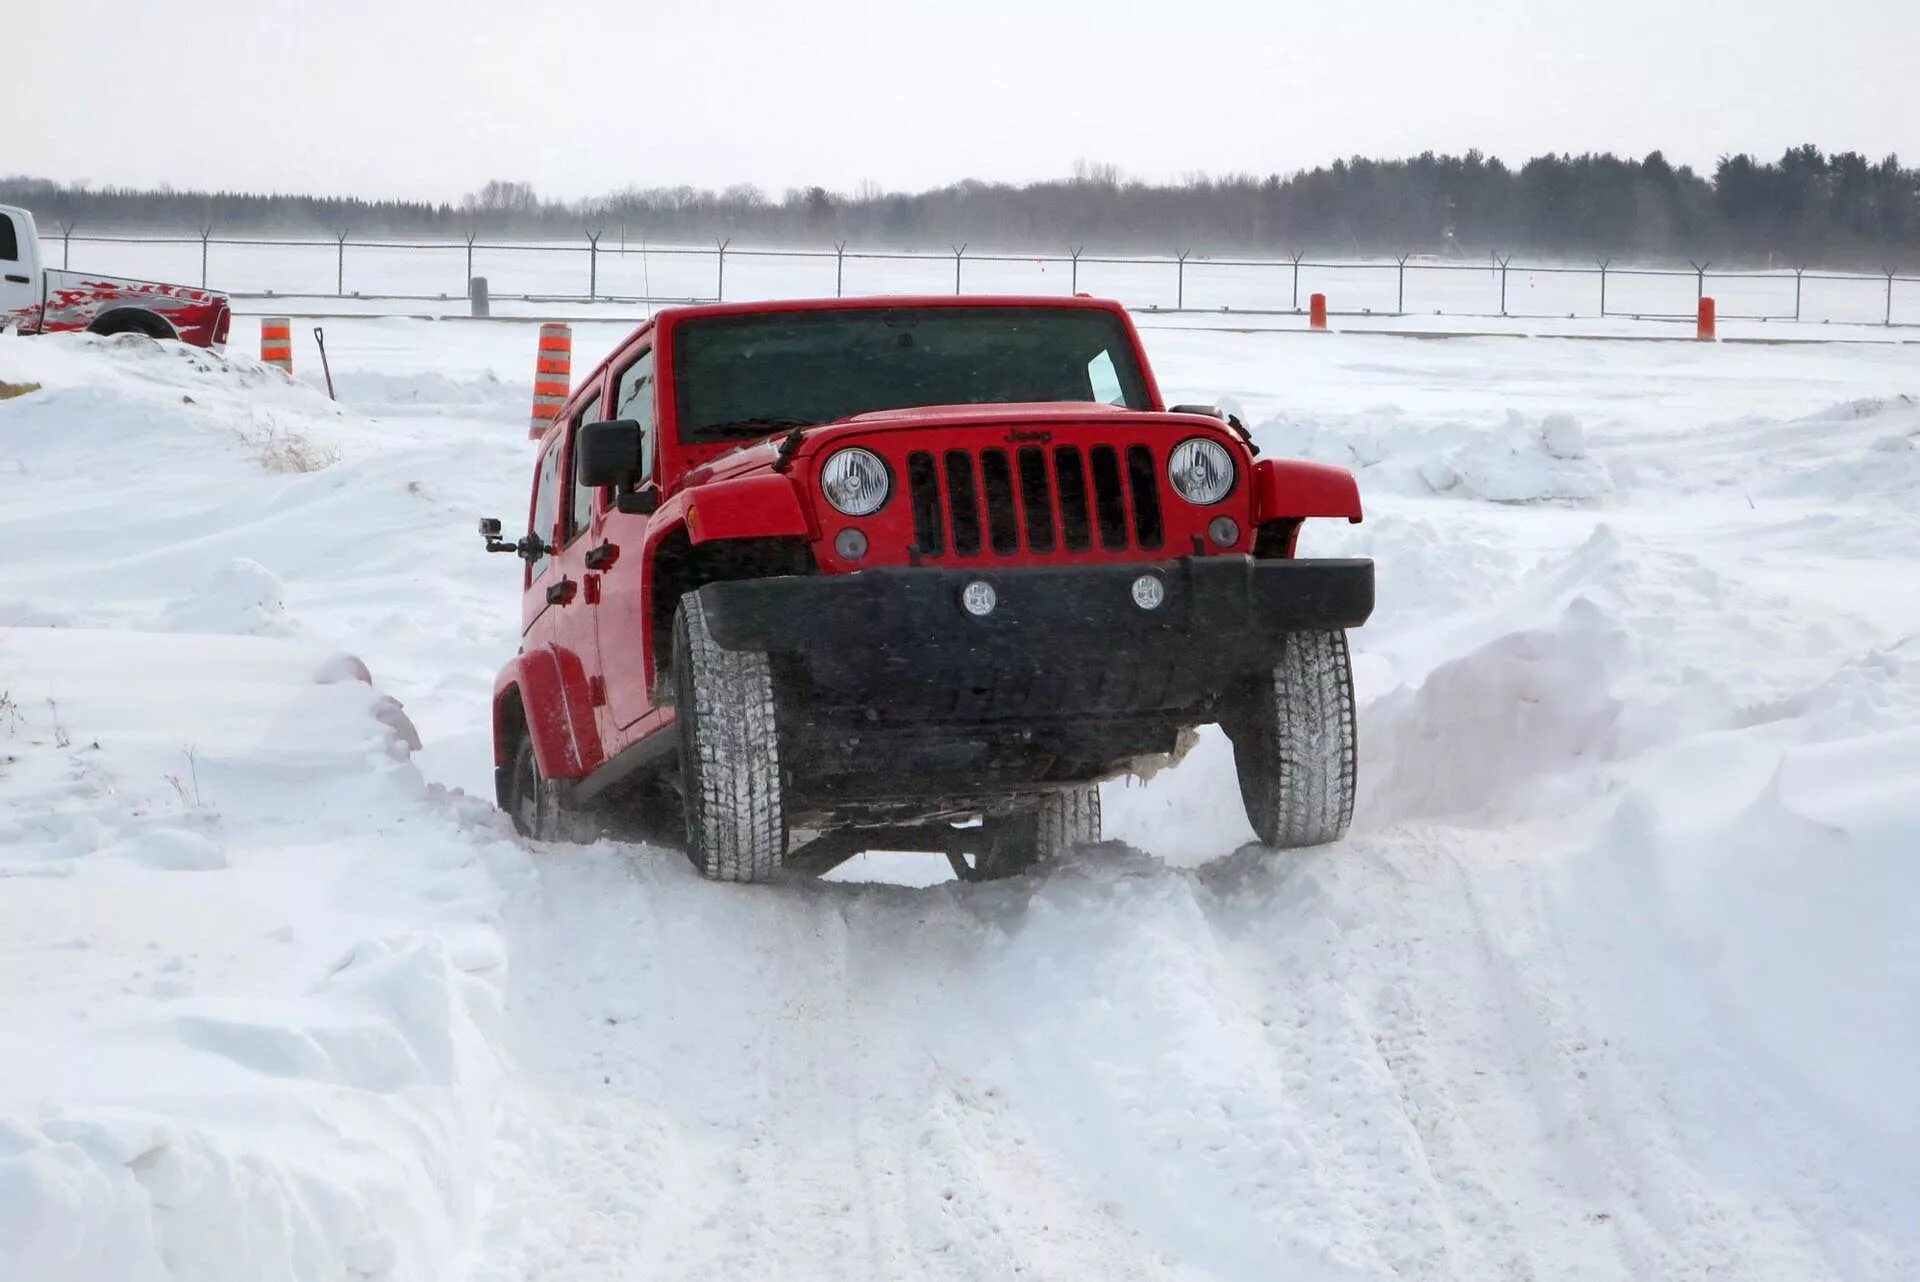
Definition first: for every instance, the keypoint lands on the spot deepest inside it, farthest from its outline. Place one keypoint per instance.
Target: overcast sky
(430, 99)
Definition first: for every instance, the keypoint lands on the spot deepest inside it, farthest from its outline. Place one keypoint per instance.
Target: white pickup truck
(41, 300)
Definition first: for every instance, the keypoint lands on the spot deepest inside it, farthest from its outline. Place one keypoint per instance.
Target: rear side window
(546, 507)
(9, 240)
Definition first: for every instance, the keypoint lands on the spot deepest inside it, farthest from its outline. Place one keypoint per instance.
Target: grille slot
(963, 503)
(1003, 524)
(1143, 480)
(1076, 522)
(1109, 503)
(923, 490)
(1036, 496)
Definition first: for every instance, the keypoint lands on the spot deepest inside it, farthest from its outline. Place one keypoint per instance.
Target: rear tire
(536, 804)
(128, 320)
(1039, 834)
(729, 753)
(1294, 745)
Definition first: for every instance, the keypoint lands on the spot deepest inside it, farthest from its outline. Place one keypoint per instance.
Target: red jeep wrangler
(810, 578)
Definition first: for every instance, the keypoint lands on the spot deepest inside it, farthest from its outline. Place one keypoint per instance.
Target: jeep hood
(1048, 415)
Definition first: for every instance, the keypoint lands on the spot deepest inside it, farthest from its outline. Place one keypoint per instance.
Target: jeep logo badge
(1018, 437)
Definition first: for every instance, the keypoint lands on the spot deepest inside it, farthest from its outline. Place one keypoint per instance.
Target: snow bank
(1868, 448)
(254, 505)
(1500, 724)
(241, 596)
(253, 1001)
(123, 443)
(431, 392)
(1772, 911)
(251, 1017)
(1862, 449)
(1592, 656)
(1514, 460)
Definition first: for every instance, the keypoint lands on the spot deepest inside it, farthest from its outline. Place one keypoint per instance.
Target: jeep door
(572, 594)
(543, 523)
(543, 691)
(626, 599)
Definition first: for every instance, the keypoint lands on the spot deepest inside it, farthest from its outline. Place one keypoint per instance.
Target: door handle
(560, 593)
(17, 280)
(603, 556)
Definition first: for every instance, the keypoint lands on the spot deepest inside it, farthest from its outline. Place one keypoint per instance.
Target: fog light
(850, 544)
(1224, 531)
(978, 598)
(1149, 592)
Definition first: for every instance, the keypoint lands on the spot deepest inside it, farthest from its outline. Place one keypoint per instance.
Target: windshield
(744, 376)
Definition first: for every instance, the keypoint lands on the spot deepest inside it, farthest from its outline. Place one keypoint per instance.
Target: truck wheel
(1040, 834)
(1293, 743)
(729, 753)
(534, 803)
(131, 320)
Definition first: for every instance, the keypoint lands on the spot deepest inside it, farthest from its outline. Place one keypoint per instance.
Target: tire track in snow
(792, 1054)
(1365, 1061)
(1461, 1227)
(1573, 1140)
(1091, 1073)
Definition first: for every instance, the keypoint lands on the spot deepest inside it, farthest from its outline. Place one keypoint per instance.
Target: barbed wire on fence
(1269, 286)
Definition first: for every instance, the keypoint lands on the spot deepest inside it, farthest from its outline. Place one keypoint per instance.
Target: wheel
(535, 803)
(1294, 744)
(131, 321)
(729, 753)
(1038, 834)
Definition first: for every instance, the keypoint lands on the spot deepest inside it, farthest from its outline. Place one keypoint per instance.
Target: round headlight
(1201, 470)
(855, 481)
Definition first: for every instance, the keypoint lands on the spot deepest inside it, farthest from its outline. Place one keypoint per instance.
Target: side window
(9, 240)
(546, 506)
(580, 510)
(633, 398)
(1104, 380)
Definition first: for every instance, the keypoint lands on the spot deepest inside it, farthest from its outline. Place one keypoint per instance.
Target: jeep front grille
(1034, 499)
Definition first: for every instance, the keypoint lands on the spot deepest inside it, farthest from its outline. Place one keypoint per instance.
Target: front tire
(729, 753)
(1294, 745)
(1039, 834)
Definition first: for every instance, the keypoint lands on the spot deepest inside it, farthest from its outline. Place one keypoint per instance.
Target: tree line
(1807, 206)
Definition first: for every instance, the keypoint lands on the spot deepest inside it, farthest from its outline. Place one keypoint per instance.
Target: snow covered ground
(1613, 980)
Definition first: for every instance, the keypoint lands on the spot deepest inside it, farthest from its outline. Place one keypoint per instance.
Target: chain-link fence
(605, 267)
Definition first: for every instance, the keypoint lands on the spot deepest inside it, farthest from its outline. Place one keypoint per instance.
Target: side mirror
(637, 502)
(607, 453)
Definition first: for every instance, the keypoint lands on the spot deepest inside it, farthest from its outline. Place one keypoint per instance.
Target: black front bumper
(1209, 603)
(888, 688)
